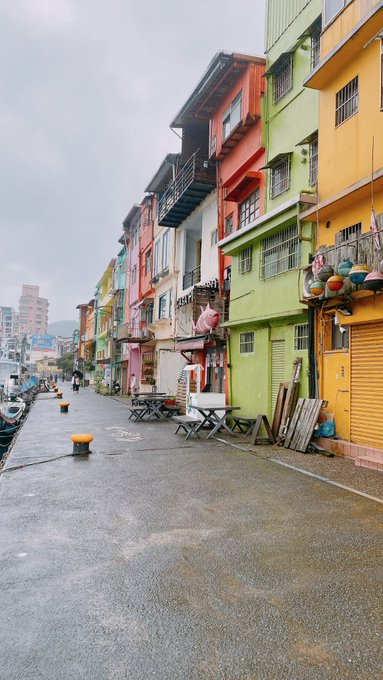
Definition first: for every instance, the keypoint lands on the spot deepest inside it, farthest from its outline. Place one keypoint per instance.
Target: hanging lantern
(373, 281)
(325, 273)
(345, 267)
(335, 283)
(358, 273)
(317, 288)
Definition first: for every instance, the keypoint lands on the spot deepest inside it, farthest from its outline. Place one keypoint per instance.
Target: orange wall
(344, 23)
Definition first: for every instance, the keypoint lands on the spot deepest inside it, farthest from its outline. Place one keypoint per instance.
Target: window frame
(227, 117)
(229, 220)
(245, 260)
(249, 344)
(245, 208)
(214, 237)
(327, 21)
(165, 249)
(283, 81)
(285, 183)
(162, 307)
(313, 161)
(286, 240)
(342, 104)
(148, 262)
(301, 337)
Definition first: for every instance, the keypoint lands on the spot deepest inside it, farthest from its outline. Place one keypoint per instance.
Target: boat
(11, 415)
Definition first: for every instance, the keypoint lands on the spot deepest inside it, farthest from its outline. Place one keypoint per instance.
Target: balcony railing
(191, 278)
(192, 184)
(129, 332)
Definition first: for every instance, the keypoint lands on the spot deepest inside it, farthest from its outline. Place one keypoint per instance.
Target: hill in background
(63, 328)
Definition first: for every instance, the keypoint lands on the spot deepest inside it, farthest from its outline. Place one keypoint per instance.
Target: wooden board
(279, 406)
(302, 424)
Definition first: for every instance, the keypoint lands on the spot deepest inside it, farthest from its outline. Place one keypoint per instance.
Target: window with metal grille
(313, 161)
(249, 210)
(315, 48)
(349, 234)
(347, 100)
(283, 78)
(280, 177)
(301, 336)
(245, 260)
(232, 116)
(229, 224)
(149, 313)
(246, 342)
(280, 253)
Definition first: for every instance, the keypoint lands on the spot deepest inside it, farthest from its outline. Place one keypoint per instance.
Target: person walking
(133, 385)
(74, 382)
(77, 383)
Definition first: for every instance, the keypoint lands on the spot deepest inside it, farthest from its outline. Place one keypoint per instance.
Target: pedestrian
(133, 385)
(74, 382)
(56, 378)
(77, 383)
(62, 377)
(116, 387)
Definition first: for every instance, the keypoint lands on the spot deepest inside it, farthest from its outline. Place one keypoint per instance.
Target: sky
(87, 92)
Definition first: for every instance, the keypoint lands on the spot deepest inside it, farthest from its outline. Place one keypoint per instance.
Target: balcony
(129, 332)
(191, 278)
(193, 183)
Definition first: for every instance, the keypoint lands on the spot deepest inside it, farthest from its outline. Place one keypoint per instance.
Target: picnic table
(216, 417)
(151, 406)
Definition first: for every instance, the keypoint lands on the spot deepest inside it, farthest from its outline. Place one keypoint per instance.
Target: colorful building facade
(350, 320)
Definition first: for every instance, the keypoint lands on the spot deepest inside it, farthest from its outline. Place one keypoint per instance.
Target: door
(277, 369)
(367, 385)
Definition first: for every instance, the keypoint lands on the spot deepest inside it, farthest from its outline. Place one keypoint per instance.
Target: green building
(269, 327)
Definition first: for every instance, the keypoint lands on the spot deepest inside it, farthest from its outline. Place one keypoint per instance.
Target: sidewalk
(159, 558)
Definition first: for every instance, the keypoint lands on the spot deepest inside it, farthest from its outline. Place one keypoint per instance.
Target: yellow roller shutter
(277, 369)
(367, 384)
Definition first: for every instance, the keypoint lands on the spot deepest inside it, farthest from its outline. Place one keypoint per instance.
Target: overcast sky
(87, 90)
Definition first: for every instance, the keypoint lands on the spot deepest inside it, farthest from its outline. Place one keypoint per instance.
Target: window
(213, 145)
(332, 7)
(340, 336)
(349, 234)
(134, 274)
(301, 336)
(313, 162)
(246, 342)
(280, 177)
(229, 223)
(347, 102)
(315, 48)
(232, 116)
(214, 237)
(149, 313)
(165, 250)
(282, 78)
(157, 257)
(148, 262)
(171, 302)
(249, 210)
(162, 307)
(280, 253)
(245, 260)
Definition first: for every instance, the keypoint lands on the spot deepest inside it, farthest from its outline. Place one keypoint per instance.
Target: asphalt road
(160, 558)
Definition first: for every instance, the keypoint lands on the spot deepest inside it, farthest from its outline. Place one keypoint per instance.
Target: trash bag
(326, 429)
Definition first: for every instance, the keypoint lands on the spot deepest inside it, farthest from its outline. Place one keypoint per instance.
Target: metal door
(277, 369)
(367, 384)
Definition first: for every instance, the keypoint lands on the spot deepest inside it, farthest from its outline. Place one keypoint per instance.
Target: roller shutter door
(367, 385)
(277, 369)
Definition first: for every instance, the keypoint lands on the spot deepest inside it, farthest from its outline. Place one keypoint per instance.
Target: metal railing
(191, 278)
(196, 165)
(133, 330)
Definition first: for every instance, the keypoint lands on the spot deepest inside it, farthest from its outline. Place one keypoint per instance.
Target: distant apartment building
(9, 330)
(33, 312)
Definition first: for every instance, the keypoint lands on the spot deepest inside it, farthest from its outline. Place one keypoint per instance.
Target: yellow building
(349, 338)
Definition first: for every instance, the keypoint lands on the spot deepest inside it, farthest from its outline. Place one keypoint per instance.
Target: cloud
(88, 90)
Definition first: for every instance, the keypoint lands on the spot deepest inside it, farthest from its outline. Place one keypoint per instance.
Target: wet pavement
(160, 558)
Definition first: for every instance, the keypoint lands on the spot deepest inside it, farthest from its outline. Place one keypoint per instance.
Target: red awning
(245, 183)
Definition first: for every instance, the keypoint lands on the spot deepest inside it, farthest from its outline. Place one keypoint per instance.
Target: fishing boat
(11, 414)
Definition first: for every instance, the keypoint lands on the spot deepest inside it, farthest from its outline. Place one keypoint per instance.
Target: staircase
(364, 456)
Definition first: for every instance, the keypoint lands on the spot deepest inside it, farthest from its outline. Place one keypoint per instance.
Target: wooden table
(153, 405)
(211, 417)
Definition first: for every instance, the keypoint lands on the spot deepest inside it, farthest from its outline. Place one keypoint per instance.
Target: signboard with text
(45, 343)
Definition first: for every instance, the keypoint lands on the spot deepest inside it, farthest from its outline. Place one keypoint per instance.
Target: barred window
(283, 78)
(246, 342)
(349, 234)
(347, 100)
(301, 336)
(313, 156)
(249, 210)
(245, 260)
(229, 223)
(280, 253)
(280, 177)
(315, 49)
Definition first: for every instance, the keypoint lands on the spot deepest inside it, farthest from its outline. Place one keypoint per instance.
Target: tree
(66, 362)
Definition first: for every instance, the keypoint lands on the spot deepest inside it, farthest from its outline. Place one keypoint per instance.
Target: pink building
(33, 311)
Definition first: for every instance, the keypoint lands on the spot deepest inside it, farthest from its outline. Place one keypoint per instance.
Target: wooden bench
(188, 424)
(137, 412)
(170, 411)
(244, 425)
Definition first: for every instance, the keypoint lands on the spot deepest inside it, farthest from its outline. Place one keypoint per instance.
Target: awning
(190, 343)
(242, 185)
(278, 157)
(308, 139)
